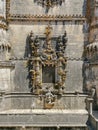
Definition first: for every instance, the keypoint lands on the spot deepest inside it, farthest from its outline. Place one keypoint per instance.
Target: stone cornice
(33, 119)
(46, 18)
(94, 63)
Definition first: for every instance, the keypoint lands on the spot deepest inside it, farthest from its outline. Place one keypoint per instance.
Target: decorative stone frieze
(18, 17)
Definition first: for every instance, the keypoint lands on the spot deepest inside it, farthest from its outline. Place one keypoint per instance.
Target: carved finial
(48, 32)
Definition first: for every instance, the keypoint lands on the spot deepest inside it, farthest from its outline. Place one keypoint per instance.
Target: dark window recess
(48, 74)
(48, 128)
(7, 128)
(65, 128)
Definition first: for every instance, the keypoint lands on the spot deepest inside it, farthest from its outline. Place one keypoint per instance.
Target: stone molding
(6, 64)
(56, 18)
(46, 119)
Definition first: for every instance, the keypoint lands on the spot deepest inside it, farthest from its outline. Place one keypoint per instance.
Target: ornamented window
(47, 66)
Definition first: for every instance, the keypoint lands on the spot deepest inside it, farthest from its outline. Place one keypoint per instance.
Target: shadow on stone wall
(84, 58)
(84, 8)
(29, 67)
(27, 48)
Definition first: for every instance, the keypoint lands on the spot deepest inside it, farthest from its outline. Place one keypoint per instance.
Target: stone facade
(65, 103)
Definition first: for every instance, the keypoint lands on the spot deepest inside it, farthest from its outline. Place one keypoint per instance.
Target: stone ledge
(23, 95)
(43, 111)
(47, 119)
(6, 64)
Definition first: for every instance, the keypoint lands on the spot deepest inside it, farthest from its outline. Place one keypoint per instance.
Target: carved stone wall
(22, 17)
